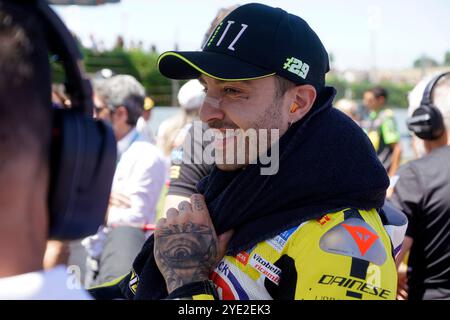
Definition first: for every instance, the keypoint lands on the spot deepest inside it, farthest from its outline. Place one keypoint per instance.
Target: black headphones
(426, 121)
(83, 151)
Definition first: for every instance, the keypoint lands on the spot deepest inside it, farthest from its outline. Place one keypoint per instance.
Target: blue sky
(399, 30)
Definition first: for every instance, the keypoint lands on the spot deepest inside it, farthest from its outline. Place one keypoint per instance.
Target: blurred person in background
(143, 123)
(174, 134)
(349, 107)
(423, 193)
(139, 177)
(24, 163)
(381, 128)
(59, 97)
(33, 203)
(171, 132)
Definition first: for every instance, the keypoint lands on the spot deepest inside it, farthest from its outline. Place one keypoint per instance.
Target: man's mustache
(220, 124)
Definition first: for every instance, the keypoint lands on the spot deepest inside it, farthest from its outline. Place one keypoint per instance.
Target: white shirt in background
(143, 127)
(54, 284)
(140, 175)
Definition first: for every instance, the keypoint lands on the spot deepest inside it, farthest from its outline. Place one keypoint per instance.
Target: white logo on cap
(231, 46)
(297, 67)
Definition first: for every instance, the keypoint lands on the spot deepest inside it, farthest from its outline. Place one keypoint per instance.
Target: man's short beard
(270, 119)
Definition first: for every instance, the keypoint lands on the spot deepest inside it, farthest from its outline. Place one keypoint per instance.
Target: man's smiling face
(241, 107)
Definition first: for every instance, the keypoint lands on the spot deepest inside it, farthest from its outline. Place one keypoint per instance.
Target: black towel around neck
(327, 163)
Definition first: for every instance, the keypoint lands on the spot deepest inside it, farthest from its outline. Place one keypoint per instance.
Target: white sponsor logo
(277, 243)
(267, 269)
(280, 240)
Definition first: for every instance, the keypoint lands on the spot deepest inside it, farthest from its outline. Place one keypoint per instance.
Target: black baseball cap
(254, 41)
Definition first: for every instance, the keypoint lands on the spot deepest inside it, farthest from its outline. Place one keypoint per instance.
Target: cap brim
(192, 64)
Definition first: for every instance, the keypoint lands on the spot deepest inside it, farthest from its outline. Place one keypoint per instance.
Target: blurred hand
(56, 253)
(389, 192)
(186, 245)
(402, 286)
(119, 201)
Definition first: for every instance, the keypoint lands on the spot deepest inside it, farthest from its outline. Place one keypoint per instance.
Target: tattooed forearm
(185, 253)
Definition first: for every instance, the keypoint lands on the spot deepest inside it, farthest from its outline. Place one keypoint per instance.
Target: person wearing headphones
(422, 192)
(56, 165)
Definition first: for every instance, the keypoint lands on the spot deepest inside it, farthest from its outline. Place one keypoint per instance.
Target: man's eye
(186, 252)
(232, 90)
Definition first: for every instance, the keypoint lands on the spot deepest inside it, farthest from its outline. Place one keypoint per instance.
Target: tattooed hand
(186, 244)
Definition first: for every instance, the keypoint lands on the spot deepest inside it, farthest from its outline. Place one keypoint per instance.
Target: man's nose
(211, 110)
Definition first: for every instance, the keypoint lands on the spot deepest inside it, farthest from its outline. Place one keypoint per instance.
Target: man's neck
(122, 132)
(24, 217)
(377, 109)
(21, 248)
(20, 265)
(431, 145)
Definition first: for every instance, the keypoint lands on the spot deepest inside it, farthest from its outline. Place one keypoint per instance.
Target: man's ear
(304, 98)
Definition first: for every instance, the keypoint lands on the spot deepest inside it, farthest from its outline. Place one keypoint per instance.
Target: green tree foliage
(157, 86)
(58, 75)
(447, 59)
(140, 64)
(118, 60)
(143, 66)
(339, 84)
(398, 93)
(425, 62)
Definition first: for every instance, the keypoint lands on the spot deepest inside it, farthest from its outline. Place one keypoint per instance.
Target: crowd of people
(342, 217)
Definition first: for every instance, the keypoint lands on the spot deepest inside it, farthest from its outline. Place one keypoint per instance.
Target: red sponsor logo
(271, 276)
(323, 220)
(269, 270)
(242, 257)
(363, 237)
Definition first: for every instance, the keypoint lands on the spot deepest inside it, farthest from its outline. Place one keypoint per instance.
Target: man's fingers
(200, 210)
(161, 223)
(171, 214)
(121, 197)
(198, 203)
(402, 295)
(184, 207)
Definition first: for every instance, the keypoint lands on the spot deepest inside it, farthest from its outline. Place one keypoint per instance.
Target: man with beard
(311, 228)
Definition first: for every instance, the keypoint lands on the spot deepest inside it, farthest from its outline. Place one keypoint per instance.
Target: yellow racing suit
(348, 254)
